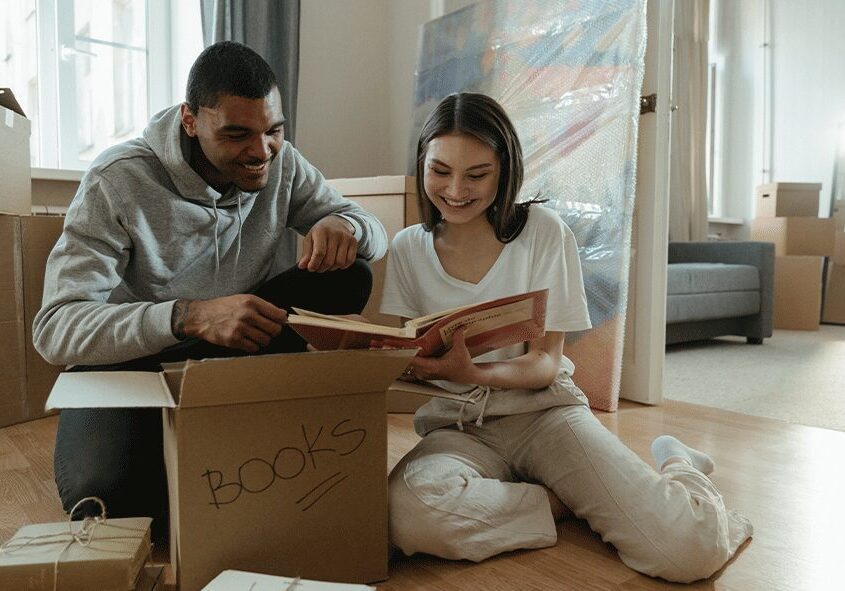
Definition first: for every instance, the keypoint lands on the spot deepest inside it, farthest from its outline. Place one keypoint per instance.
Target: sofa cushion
(707, 306)
(698, 278)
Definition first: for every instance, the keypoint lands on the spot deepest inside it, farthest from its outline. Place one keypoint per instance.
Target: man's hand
(244, 322)
(330, 245)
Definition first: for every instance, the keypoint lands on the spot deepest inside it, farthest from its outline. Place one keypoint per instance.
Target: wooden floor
(788, 479)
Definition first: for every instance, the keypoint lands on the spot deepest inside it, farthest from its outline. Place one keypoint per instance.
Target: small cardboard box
(788, 199)
(796, 236)
(15, 171)
(275, 464)
(798, 292)
(839, 248)
(112, 561)
(833, 310)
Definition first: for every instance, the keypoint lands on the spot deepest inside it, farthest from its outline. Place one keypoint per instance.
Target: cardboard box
(833, 310)
(15, 171)
(151, 579)
(796, 236)
(788, 199)
(838, 214)
(838, 248)
(25, 378)
(13, 359)
(798, 293)
(112, 561)
(275, 464)
(39, 234)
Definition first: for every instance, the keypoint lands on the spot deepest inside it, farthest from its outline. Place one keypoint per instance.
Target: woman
(494, 476)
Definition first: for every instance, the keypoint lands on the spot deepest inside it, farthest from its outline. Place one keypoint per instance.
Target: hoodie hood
(172, 146)
(169, 142)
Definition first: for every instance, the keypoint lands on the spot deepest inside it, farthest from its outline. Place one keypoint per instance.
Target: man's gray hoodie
(145, 230)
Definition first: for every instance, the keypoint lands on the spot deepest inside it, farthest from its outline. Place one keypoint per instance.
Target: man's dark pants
(116, 454)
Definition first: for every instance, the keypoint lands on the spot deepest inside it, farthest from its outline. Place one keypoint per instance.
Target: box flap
(110, 389)
(8, 100)
(377, 185)
(265, 378)
(790, 187)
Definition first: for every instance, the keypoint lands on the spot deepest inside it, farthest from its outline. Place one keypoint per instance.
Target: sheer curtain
(271, 28)
(688, 184)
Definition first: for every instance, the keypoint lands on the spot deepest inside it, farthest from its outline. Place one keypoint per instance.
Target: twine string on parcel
(84, 536)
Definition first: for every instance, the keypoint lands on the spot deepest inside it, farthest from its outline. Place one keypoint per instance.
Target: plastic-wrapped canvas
(569, 74)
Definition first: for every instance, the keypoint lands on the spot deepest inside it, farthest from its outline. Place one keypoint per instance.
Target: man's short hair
(228, 68)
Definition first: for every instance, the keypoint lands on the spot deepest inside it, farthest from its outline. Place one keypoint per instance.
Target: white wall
(808, 74)
(807, 91)
(341, 125)
(356, 81)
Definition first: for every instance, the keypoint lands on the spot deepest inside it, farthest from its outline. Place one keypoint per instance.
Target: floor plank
(786, 478)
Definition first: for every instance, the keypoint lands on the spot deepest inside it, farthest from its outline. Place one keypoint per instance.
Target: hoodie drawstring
(478, 393)
(240, 227)
(216, 241)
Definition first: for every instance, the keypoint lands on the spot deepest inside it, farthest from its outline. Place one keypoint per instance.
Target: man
(181, 244)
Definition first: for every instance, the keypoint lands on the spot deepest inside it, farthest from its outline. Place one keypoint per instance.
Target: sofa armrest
(759, 254)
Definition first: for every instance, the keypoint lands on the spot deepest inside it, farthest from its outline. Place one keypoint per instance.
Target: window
(90, 73)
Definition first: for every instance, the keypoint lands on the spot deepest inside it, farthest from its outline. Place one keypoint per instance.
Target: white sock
(667, 447)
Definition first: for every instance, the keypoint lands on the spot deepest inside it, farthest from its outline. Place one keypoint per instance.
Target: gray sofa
(719, 288)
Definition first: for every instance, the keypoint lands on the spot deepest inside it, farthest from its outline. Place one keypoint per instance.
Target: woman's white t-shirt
(544, 255)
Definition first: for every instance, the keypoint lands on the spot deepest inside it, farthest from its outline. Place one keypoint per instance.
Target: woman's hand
(455, 365)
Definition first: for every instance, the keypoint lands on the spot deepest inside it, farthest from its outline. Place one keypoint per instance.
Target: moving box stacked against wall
(787, 215)
(25, 243)
(13, 359)
(15, 172)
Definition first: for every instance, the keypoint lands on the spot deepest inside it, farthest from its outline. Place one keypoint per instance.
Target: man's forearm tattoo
(177, 318)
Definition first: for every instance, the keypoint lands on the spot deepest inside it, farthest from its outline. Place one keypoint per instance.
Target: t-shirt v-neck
(431, 252)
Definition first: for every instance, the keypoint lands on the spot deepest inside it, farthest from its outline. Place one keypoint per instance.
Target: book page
(333, 325)
(333, 318)
(424, 321)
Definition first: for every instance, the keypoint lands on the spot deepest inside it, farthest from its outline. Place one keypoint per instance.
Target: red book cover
(488, 326)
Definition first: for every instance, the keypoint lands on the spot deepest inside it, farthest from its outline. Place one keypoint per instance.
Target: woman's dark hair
(229, 68)
(480, 116)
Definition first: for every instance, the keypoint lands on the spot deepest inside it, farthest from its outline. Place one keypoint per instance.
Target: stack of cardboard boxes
(787, 215)
(25, 242)
(833, 310)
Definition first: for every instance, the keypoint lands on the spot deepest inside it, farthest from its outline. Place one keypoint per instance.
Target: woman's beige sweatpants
(468, 495)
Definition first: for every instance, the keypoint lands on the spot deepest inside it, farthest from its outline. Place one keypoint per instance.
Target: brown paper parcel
(111, 562)
(275, 464)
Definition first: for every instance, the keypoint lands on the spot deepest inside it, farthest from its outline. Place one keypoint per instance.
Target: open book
(489, 325)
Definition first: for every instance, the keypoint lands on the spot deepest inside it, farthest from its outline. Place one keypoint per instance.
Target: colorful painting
(569, 74)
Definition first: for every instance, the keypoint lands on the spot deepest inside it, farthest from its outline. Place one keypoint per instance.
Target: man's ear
(189, 120)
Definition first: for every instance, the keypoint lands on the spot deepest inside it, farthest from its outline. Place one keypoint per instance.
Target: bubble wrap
(569, 74)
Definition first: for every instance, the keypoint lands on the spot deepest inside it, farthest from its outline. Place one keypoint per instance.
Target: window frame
(56, 77)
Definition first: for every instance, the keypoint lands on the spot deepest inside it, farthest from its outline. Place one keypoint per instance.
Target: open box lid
(237, 380)
(8, 100)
